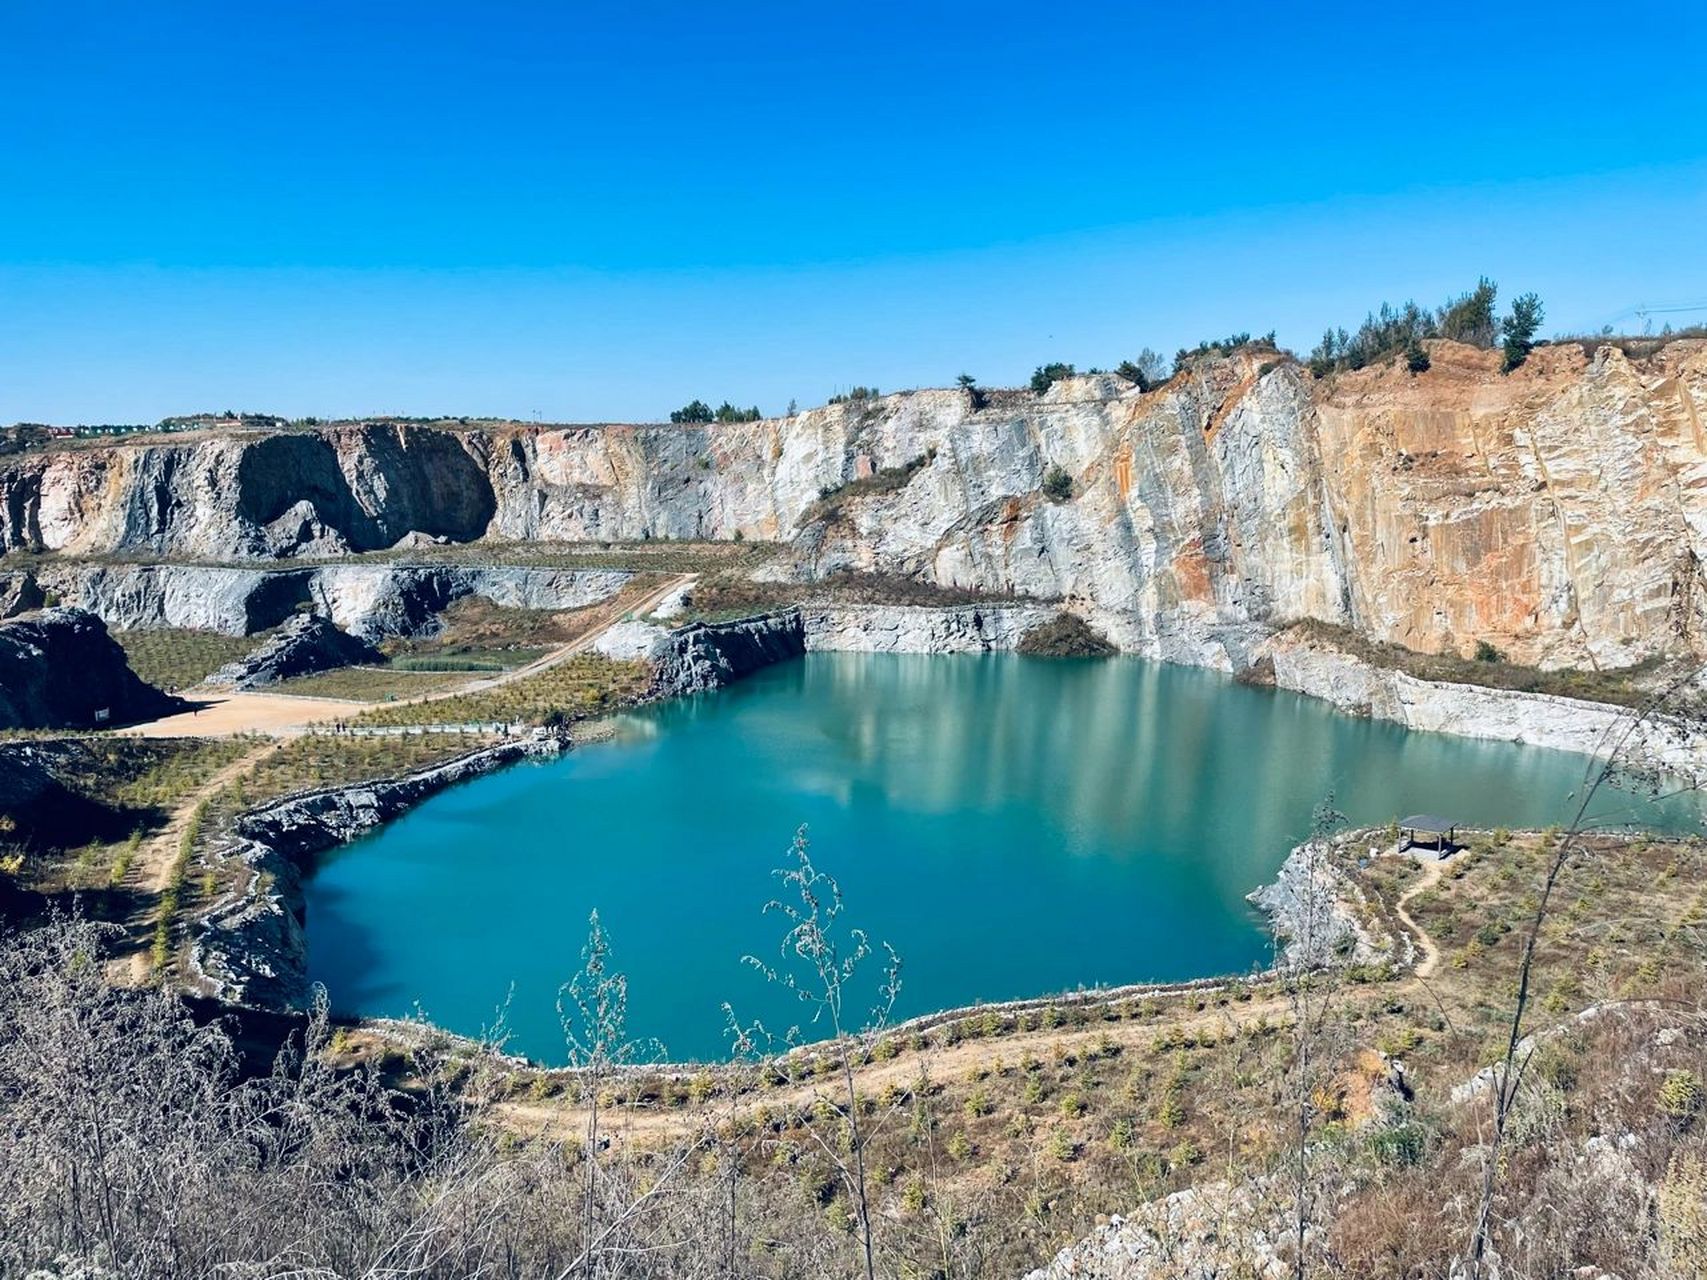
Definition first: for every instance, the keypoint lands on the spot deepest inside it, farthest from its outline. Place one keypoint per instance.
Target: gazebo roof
(1431, 822)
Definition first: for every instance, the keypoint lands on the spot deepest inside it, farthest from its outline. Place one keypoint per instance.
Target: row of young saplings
(640, 1087)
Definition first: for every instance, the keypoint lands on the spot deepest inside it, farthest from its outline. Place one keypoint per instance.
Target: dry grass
(330, 759)
(1033, 1126)
(373, 684)
(721, 597)
(131, 786)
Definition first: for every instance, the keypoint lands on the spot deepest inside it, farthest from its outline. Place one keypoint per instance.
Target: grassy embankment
(124, 790)
(721, 597)
(180, 659)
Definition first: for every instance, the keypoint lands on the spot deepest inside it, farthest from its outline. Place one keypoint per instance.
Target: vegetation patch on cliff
(1623, 686)
(1066, 635)
(726, 596)
(833, 500)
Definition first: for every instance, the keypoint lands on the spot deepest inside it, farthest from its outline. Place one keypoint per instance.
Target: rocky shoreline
(251, 949)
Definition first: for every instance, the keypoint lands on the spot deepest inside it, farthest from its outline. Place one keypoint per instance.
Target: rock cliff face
(59, 669)
(706, 656)
(1559, 512)
(857, 628)
(368, 600)
(1472, 711)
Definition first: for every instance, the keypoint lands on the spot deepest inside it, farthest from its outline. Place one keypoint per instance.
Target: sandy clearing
(220, 715)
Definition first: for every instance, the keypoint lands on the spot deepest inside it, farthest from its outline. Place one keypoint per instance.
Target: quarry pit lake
(1013, 826)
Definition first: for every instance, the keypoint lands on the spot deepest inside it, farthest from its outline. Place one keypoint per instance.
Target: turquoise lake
(1013, 826)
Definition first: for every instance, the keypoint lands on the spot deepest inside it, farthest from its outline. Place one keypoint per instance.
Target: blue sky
(593, 211)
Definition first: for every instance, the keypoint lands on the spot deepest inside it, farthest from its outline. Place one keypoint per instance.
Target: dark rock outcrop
(709, 655)
(59, 669)
(306, 644)
(19, 593)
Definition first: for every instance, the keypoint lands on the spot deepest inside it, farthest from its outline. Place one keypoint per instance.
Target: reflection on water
(1013, 826)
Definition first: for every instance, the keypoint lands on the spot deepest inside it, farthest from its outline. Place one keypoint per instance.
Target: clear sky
(599, 211)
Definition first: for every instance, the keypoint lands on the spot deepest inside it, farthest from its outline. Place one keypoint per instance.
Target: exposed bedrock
(705, 656)
(859, 628)
(306, 644)
(367, 600)
(1558, 512)
(59, 669)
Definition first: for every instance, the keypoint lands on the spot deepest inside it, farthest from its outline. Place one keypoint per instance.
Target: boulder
(705, 656)
(19, 593)
(59, 669)
(309, 642)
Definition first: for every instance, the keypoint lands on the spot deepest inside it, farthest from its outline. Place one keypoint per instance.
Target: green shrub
(1066, 635)
(1680, 1095)
(1148, 371)
(1057, 483)
(693, 411)
(1518, 330)
(1122, 1134)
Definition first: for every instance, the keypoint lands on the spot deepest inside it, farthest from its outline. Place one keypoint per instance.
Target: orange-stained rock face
(1559, 512)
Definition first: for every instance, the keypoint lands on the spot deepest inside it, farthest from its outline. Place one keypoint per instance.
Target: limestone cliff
(1558, 512)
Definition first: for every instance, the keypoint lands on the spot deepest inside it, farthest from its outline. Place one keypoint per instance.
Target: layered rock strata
(1558, 512)
(368, 600)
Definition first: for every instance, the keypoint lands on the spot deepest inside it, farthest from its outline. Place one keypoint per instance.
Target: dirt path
(221, 714)
(954, 1061)
(1428, 952)
(947, 1062)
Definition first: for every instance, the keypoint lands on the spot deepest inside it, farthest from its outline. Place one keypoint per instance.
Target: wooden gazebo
(1429, 831)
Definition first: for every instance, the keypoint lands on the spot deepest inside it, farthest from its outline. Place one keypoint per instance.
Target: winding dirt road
(1428, 951)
